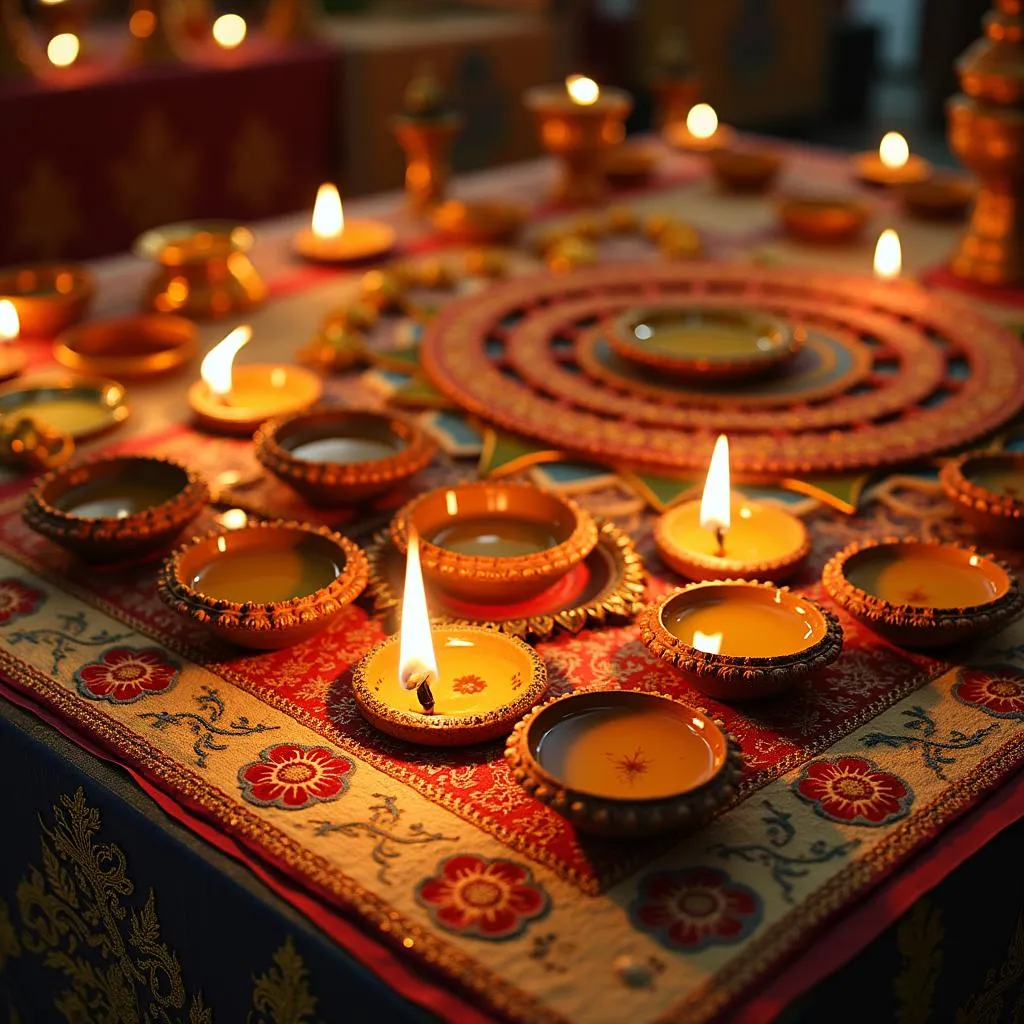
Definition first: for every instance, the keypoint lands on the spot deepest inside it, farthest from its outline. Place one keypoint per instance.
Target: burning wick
(715, 513)
(217, 365)
(417, 664)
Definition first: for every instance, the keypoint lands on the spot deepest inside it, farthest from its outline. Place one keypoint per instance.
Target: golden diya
(892, 164)
(987, 489)
(479, 221)
(495, 542)
(70, 404)
(922, 593)
(744, 169)
(940, 197)
(330, 238)
(625, 763)
(445, 685)
(12, 359)
(741, 639)
(822, 218)
(335, 456)
(115, 508)
(723, 536)
(146, 345)
(579, 123)
(47, 297)
(233, 399)
(264, 585)
(701, 132)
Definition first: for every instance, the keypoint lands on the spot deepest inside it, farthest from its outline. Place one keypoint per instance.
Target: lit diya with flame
(892, 164)
(449, 685)
(701, 132)
(12, 359)
(331, 238)
(888, 260)
(237, 399)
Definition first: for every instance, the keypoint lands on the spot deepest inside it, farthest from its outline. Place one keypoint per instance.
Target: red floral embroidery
(469, 684)
(855, 791)
(998, 690)
(126, 674)
(17, 599)
(482, 898)
(692, 909)
(291, 776)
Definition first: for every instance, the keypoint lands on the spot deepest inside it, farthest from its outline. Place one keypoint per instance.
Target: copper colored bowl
(822, 218)
(115, 508)
(631, 162)
(128, 346)
(48, 297)
(997, 515)
(940, 197)
(744, 170)
(480, 221)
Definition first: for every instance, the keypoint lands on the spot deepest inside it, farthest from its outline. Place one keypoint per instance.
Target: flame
(328, 217)
(229, 30)
(702, 121)
(714, 502)
(893, 150)
(233, 519)
(888, 255)
(415, 644)
(709, 643)
(216, 367)
(10, 325)
(582, 90)
(63, 49)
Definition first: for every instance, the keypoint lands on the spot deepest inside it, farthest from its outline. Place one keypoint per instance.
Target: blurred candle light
(893, 150)
(888, 260)
(583, 91)
(10, 325)
(702, 121)
(62, 49)
(229, 31)
(328, 216)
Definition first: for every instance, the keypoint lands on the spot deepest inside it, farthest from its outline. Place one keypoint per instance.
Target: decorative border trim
(1000, 513)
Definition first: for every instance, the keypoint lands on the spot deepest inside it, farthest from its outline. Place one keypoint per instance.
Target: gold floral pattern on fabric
(281, 994)
(990, 1003)
(919, 938)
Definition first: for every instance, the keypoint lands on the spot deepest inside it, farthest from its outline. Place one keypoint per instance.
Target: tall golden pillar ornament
(986, 132)
(20, 56)
(151, 24)
(673, 80)
(292, 20)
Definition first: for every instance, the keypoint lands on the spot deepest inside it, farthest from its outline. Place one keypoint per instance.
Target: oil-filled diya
(12, 359)
(129, 346)
(445, 685)
(892, 164)
(744, 170)
(495, 543)
(115, 508)
(625, 763)
(822, 218)
(331, 238)
(233, 399)
(78, 406)
(741, 640)
(723, 536)
(335, 456)
(48, 297)
(987, 489)
(921, 593)
(265, 585)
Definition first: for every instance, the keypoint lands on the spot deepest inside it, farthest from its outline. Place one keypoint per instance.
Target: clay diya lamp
(892, 164)
(940, 197)
(331, 238)
(740, 640)
(987, 489)
(744, 170)
(922, 594)
(342, 456)
(822, 218)
(495, 543)
(631, 163)
(115, 508)
(48, 297)
(130, 346)
(625, 763)
(704, 343)
(480, 221)
(77, 406)
(266, 585)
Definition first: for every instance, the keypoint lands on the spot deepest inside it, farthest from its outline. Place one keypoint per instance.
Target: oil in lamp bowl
(480, 221)
(869, 170)
(740, 640)
(130, 346)
(495, 543)
(625, 763)
(941, 197)
(678, 135)
(921, 593)
(337, 456)
(987, 489)
(360, 241)
(114, 508)
(745, 170)
(267, 585)
(48, 297)
(78, 406)
(486, 682)
(822, 218)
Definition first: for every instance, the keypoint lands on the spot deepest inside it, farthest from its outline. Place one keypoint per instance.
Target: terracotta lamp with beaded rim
(987, 489)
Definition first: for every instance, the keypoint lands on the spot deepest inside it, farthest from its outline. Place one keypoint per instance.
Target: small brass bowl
(744, 170)
(922, 594)
(268, 585)
(625, 763)
(79, 406)
(128, 346)
(48, 296)
(758, 639)
(495, 542)
(987, 489)
(115, 508)
(480, 221)
(940, 197)
(822, 218)
(342, 456)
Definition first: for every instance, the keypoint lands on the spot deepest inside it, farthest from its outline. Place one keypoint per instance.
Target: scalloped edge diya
(128, 346)
(921, 626)
(626, 817)
(495, 579)
(326, 483)
(732, 677)
(997, 516)
(261, 626)
(44, 315)
(745, 170)
(479, 221)
(822, 218)
(110, 539)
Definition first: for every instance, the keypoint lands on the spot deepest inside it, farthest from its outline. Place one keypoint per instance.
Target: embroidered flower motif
(18, 599)
(694, 908)
(291, 776)
(998, 690)
(469, 684)
(855, 791)
(126, 674)
(481, 898)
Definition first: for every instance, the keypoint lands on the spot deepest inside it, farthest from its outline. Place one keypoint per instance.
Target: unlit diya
(744, 170)
(259, 391)
(479, 221)
(77, 406)
(940, 197)
(920, 593)
(987, 489)
(129, 346)
(822, 218)
(741, 640)
(48, 297)
(625, 763)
